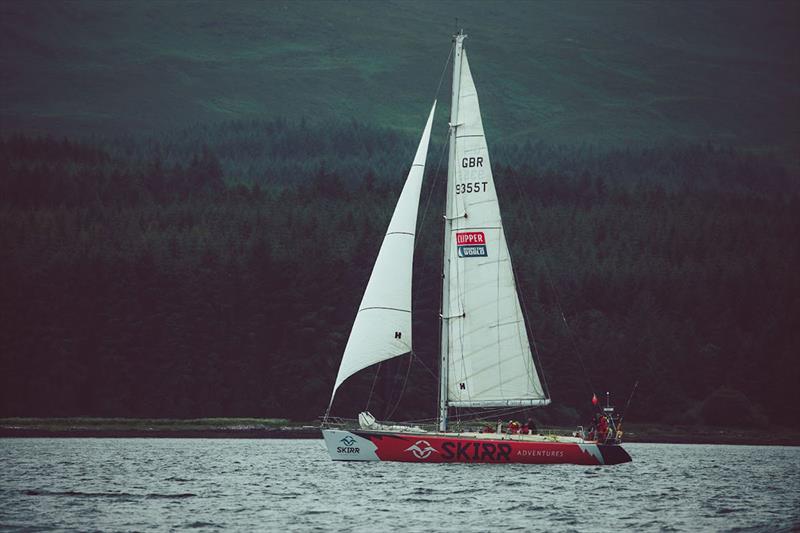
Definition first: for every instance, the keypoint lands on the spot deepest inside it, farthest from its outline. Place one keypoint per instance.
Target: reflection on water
(152, 484)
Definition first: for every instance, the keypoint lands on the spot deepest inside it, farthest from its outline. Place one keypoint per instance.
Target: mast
(458, 39)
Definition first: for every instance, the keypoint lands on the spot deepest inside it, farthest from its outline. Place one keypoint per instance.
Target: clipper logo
(422, 449)
(471, 244)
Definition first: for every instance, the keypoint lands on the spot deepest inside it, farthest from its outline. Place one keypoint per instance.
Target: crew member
(592, 434)
(602, 429)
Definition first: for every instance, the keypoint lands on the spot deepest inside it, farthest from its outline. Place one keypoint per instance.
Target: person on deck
(530, 427)
(592, 433)
(602, 429)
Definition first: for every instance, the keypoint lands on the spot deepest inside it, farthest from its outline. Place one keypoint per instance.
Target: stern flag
(594, 399)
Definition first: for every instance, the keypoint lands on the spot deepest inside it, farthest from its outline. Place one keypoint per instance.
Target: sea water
(278, 485)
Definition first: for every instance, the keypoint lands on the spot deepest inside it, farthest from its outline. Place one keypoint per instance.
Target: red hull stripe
(442, 449)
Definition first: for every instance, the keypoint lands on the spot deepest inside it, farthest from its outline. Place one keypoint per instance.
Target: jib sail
(382, 328)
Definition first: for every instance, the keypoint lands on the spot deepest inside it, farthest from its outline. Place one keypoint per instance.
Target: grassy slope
(123, 424)
(599, 72)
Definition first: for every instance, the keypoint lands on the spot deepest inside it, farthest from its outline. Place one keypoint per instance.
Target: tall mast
(448, 222)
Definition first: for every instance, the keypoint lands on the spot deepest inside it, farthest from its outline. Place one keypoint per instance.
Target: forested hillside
(612, 73)
(216, 271)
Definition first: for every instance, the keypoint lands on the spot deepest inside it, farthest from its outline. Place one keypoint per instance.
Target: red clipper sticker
(471, 244)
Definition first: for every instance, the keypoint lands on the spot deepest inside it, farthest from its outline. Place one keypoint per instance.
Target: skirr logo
(422, 449)
(348, 441)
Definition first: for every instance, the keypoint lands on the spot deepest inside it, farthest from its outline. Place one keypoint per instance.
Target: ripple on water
(125, 495)
(200, 525)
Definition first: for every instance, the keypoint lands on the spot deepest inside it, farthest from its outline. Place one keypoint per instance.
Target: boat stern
(614, 454)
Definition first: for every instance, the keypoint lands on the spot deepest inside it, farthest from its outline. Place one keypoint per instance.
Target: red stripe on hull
(444, 449)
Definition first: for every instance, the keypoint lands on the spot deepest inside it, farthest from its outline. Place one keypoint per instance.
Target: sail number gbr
(472, 186)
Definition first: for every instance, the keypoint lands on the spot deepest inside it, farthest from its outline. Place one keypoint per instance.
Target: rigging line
(527, 323)
(420, 421)
(403, 388)
(374, 380)
(466, 416)
(444, 70)
(422, 223)
(430, 193)
(575, 346)
(549, 277)
(483, 415)
(431, 372)
(442, 351)
(500, 237)
(628, 404)
(444, 147)
(424, 262)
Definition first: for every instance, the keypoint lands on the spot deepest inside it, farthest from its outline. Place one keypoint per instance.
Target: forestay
(382, 328)
(489, 356)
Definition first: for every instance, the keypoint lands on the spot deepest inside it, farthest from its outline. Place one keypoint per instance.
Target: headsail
(382, 328)
(489, 361)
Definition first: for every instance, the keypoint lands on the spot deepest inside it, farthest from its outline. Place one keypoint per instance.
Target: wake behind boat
(486, 358)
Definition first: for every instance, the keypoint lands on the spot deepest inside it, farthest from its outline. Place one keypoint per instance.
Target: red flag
(594, 399)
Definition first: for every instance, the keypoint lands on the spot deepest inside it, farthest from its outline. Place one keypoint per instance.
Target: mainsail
(485, 343)
(382, 328)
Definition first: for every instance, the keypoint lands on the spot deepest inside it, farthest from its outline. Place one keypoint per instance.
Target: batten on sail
(382, 328)
(489, 360)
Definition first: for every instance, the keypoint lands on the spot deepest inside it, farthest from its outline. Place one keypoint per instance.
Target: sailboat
(486, 359)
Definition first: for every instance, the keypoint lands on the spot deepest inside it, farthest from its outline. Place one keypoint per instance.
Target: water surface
(167, 484)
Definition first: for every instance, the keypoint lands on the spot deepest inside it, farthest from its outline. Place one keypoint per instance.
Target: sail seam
(504, 324)
(399, 233)
(470, 135)
(476, 227)
(385, 308)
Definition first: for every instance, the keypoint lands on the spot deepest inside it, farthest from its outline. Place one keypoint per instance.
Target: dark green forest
(215, 271)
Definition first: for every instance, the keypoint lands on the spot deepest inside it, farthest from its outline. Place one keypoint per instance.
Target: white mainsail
(382, 328)
(487, 352)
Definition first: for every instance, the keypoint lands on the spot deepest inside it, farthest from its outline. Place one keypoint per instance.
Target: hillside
(145, 286)
(193, 233)
(608, 73)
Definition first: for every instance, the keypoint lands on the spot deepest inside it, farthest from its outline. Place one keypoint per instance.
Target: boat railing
(477, 426)
(335, 422)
